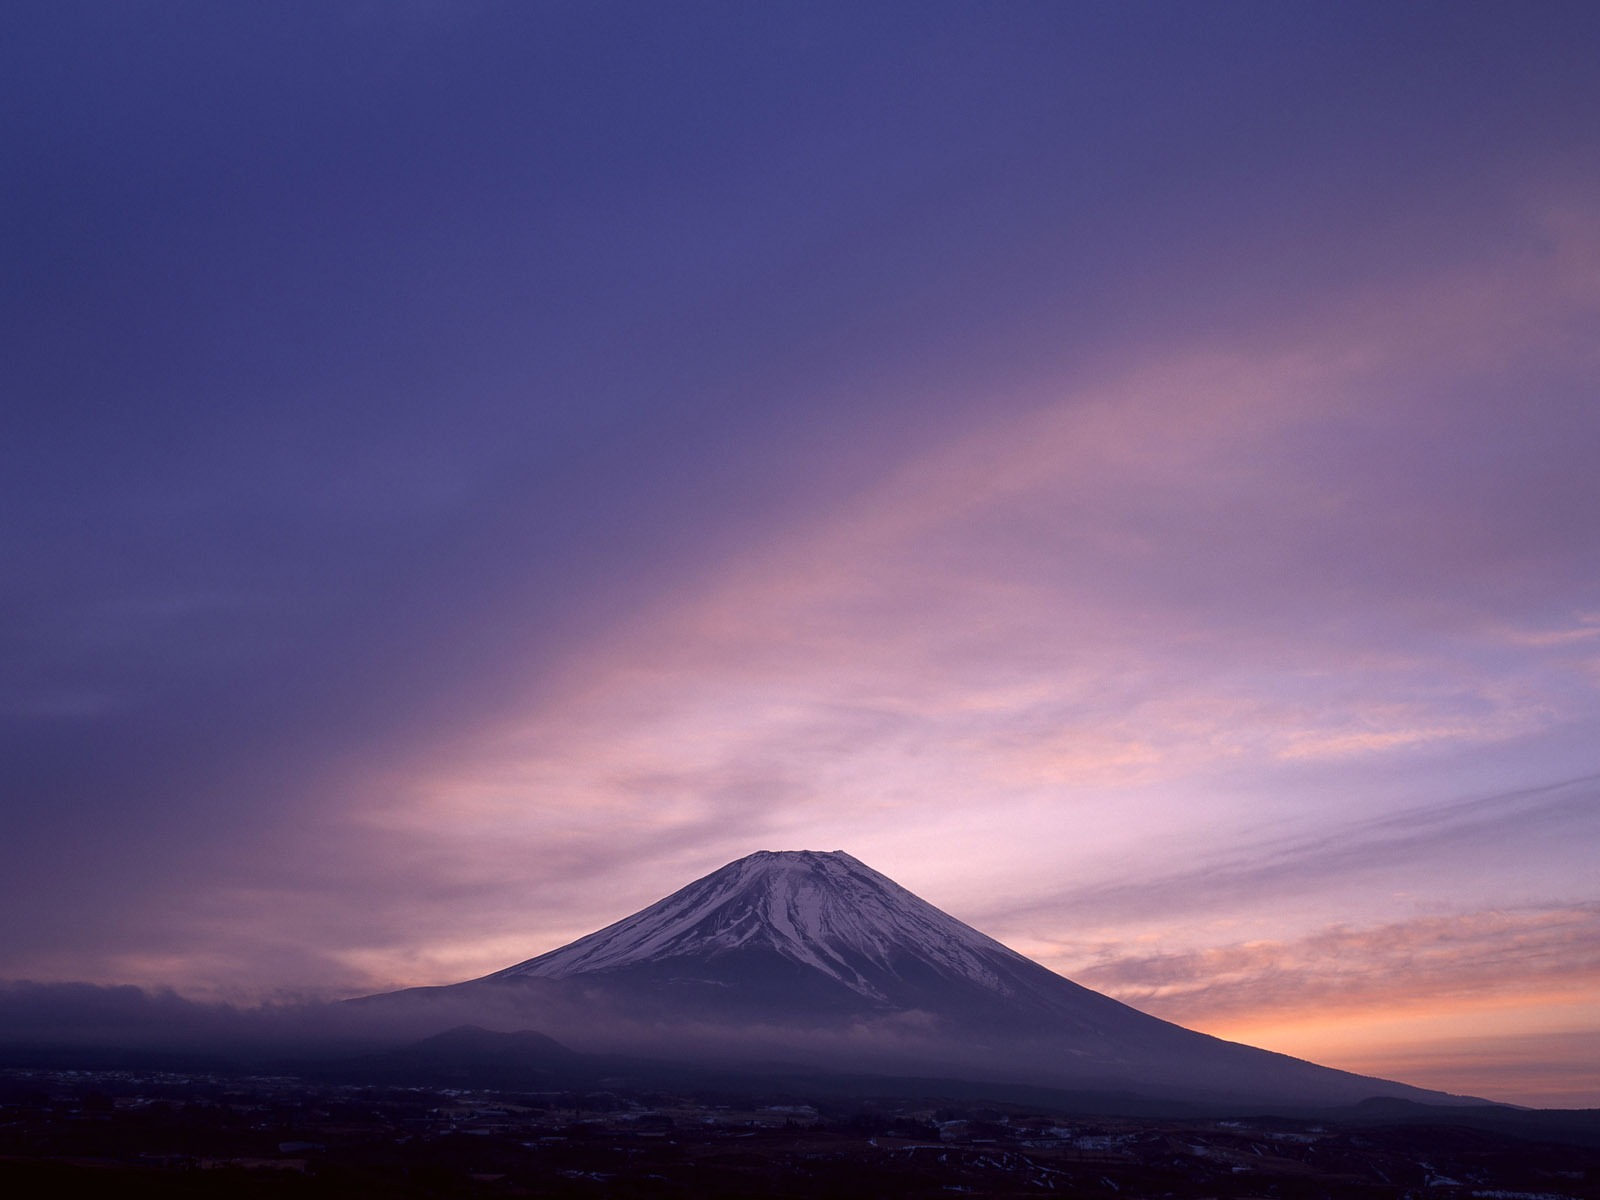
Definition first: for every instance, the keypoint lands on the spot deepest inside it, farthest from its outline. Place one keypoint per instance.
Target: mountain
(812, 958)
(805, 937)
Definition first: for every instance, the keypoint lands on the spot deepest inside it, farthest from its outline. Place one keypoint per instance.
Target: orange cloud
(1441, 1001)
(1471, 958)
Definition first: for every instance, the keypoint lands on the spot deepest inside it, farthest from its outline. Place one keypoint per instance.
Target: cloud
(1445, 962)
(1494, 1002)
(1353, 854)
(1143, 603)
(88, 1014)
(1543, 1070)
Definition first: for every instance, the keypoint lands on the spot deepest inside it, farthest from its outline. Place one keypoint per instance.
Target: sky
(1124, 471)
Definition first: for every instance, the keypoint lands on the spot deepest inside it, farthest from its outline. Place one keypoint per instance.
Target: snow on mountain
(826, 911)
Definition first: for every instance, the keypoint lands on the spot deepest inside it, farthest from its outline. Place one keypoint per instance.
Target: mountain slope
(804, 933)
(827, 911)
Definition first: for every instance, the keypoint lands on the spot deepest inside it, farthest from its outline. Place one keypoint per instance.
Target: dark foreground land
(149, 1133)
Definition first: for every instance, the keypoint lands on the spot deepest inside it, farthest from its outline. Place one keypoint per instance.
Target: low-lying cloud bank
(86, 1014)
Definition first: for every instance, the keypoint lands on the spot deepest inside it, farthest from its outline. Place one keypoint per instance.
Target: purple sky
(1126, 471)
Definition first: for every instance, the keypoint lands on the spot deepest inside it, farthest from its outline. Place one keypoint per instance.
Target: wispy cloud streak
(1415, 840)
(1473, 959)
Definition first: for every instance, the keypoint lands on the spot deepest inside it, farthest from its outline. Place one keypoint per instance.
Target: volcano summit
(814, 959)
(802, 934)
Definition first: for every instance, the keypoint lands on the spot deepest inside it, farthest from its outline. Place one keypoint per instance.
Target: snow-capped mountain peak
(823, 910)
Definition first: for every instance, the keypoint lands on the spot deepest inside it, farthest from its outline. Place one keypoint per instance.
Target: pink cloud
(1477, 957)
(1148, 595)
